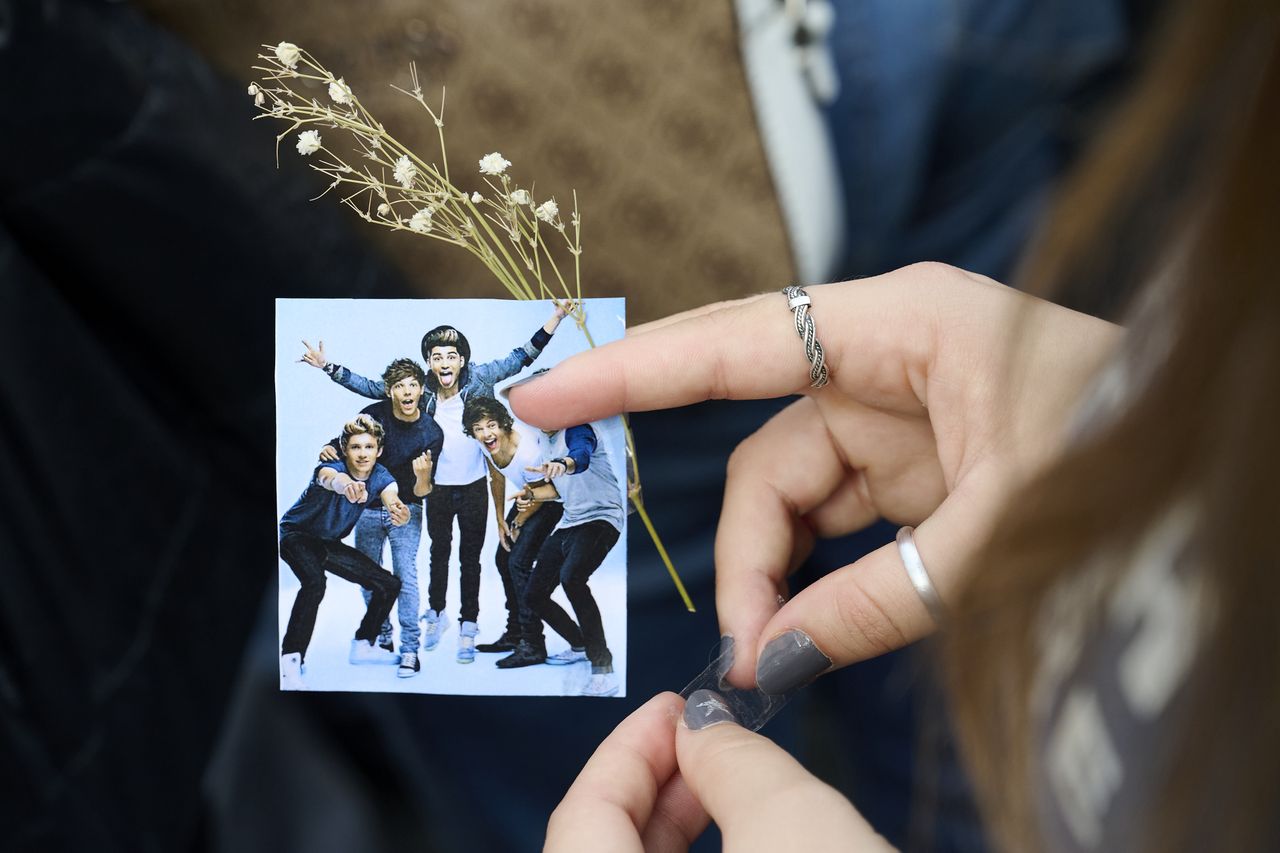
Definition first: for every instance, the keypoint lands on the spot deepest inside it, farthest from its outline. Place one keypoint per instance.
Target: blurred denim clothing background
(144, 234)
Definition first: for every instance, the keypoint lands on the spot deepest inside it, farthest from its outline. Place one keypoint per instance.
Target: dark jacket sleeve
(581, 443)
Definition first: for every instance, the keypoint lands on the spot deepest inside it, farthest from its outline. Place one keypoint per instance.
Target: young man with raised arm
(410, 448)
(311, 534)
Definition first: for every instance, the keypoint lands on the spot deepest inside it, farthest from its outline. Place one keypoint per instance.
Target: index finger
(712, 354)
(879, 335)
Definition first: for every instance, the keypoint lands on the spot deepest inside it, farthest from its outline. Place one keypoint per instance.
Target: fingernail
(789, 661)
(724, 658)
(706, 708)
(532, 377)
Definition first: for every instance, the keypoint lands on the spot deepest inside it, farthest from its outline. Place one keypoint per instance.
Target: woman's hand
(655, 783)
(947, 390)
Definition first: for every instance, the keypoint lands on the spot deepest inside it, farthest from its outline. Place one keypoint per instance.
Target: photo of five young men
(521, 519)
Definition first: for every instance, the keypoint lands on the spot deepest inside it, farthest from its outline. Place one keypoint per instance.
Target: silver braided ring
(918, 575)
(798, 301)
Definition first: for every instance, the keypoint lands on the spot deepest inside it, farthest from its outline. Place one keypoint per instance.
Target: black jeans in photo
(310, 557)
(569, 557)
(470, 504)
(515, 567)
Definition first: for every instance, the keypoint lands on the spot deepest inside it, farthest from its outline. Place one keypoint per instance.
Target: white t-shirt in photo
(461, 461)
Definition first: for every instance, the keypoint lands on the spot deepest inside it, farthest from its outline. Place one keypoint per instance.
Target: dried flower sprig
(520, 239)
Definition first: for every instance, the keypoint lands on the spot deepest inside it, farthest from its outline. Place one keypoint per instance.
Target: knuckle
(866, 627)
(933, 271)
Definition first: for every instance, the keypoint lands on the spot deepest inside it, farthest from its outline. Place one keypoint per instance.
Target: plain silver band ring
(919, 576)
(798, 301)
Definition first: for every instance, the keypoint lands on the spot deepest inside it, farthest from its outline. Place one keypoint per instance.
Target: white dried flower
(405, 171)
(421, 221)
(288, 54)
(259, 99)
(476, 198)
(384, 209)
(521, 197)
(494, 164)
(308, 142)
(340, 92)
(253, 89)
(548, 211)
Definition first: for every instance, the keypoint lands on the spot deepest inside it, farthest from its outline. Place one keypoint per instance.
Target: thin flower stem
(662, 552)
(577, 245)
(556, 269)
(439, 120)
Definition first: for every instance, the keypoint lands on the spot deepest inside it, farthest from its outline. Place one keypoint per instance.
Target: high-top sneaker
(291, 672)
(601, 684)
(409, 665)
(526, 654)
(364, 652)
(568, 656)
(467, 642)
(434, 626)
(505, 643)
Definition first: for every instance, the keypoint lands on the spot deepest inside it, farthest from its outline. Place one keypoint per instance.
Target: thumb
(759, 796)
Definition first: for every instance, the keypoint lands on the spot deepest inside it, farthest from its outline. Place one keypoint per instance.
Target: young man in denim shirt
(311, 535)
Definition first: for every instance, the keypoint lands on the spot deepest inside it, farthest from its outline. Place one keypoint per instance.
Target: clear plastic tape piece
(752, 708)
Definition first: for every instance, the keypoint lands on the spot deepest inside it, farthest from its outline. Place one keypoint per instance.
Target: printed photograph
(430, 541)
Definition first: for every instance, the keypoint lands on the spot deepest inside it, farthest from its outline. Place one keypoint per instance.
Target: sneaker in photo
(601, 684)
(467, 642)
(364, 652)
(505, 643)
(567, 656)
(434, 626)
(291, 672)
(409, 665)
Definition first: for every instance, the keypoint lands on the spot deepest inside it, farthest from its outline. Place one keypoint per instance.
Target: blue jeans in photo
(375, 528)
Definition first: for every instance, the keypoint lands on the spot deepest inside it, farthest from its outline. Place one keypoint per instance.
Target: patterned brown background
(641, 106)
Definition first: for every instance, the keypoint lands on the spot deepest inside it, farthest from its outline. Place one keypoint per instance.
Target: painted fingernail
(706, 708)
(789, 661)
(724, 658)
